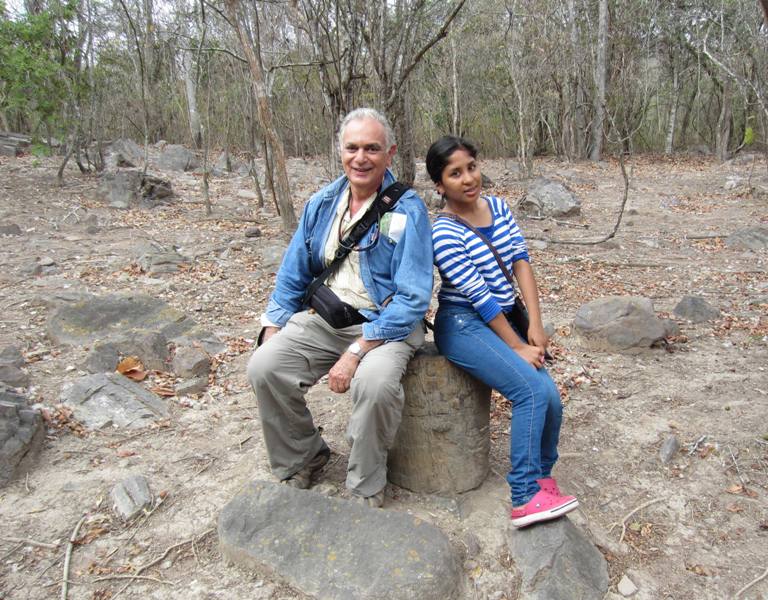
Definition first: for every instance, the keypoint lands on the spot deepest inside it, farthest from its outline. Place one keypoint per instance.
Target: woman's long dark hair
(440, 153)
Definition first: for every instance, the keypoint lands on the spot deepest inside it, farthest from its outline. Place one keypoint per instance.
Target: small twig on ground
(696, 445)
(243, 441)
(16, 547)
(570, 224)
(31, 543)
(751, 583)
(26, 483)
(133, 577)
(68, 556)
(736, 464)
(206, 466)
(632, 512)
(152, 563)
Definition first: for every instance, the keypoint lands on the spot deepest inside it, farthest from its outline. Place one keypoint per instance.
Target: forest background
(567, 78)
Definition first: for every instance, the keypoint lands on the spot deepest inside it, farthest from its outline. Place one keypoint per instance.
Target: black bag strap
(479, 234)
(384, 202)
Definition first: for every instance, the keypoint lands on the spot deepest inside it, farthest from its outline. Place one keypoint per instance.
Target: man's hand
(341, 374)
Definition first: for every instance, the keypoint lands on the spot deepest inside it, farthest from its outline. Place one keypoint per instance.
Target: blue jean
(467, 341)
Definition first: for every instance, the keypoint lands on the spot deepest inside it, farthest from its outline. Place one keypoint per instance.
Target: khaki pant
(282, 370)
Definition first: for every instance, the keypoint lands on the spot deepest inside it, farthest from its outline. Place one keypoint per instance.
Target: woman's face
(461, 180)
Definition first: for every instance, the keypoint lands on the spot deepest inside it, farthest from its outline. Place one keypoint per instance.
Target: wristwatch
(355, 349)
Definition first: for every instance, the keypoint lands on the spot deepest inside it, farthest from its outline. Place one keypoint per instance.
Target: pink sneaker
(542, 507)
(549, 485)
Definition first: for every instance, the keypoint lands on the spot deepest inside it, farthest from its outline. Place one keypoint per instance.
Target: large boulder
(130, 188)
(175, 157)
(696, 309)
(547, 198)
(622, 323)
(333, 548)
(123, 152)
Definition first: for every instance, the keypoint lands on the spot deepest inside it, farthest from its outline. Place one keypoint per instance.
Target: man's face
(364, 154)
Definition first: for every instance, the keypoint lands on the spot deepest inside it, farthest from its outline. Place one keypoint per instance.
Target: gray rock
(753, 238)
(557, 562)
(103, 358)
(696, 309)
(668, 449)
(190, 361)
(671, 328)
(175, 157)
(332, 548)
(272, 255)
(9, 229)
(21, 435)
(539, 244)
(550, 199)
(101, 317)
(150, 347)
(626, 587)
(622, 323)
(443, 441)
(109, 399)
(192, 387)
(252, 232)
(202, 338)
(223, 163)
(11, 355)
(247, 195)
(732, 183)
(13, 376)
(158, 263)
(123, 153)
(131, 496)
(130, 188)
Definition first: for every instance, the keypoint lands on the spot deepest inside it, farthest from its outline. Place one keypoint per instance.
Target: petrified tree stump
(443, 441)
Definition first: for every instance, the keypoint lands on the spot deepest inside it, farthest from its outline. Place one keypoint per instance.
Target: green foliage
(33, 64)
(39, 150)
(749, 136)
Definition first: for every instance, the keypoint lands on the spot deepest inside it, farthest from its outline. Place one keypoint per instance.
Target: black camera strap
(384, 202)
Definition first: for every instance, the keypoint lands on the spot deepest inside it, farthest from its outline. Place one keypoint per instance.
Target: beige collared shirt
(346, 282)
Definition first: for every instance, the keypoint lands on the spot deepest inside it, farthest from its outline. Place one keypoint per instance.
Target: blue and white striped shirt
(469, 272)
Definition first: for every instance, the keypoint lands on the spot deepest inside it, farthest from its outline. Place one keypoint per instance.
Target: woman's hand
(533, 355)
(537, 336)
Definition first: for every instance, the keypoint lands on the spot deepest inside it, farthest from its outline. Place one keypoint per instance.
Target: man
(388, 278)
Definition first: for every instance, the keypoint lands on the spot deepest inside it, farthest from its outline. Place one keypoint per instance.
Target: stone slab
(557, 562)
(333, 548)
(100, 317)
(106, 399)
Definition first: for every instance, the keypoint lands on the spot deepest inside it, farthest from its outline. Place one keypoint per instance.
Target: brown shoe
(302, 478)
(375, 501)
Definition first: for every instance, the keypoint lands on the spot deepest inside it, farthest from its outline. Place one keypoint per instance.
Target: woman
(472, 331)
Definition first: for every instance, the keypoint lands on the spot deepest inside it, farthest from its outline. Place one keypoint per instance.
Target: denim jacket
(397, 267)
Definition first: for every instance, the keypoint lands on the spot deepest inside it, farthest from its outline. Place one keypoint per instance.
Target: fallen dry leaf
(163, 391)
(132, 368)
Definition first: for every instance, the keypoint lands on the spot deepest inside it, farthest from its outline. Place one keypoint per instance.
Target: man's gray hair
(360, 114)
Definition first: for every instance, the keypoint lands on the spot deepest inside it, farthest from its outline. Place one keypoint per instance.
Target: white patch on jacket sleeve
(397, 226)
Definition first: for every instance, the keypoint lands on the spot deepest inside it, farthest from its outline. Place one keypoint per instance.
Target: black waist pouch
(337, 314)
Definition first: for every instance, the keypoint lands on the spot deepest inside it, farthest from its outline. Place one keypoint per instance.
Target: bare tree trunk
(601, 76)
(723, 135)
(190, 88)
(672, 118)
(251, 48)
(401, 121)
(578, 122)
(455, 85)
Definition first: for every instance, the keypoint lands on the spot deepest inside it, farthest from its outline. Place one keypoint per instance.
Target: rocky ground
(690, 528)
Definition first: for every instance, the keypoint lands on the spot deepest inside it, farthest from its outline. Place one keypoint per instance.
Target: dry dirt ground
(695, 528)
